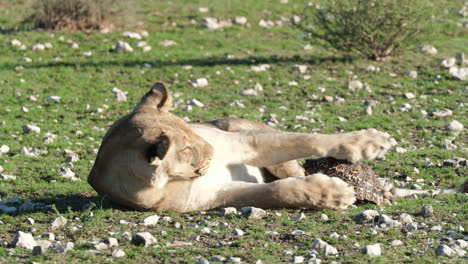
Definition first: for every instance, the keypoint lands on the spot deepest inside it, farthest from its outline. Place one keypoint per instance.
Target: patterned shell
(360, 176)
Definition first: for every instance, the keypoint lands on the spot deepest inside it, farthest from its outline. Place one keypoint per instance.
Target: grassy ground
(224, 57)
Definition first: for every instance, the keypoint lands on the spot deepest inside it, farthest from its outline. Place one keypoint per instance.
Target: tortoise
(367, 185)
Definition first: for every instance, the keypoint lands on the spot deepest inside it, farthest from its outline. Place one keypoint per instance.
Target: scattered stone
(300, 68)
(133, 35)
(461, 243)
(235, 260)
(237, 103)
(200, 83)
(428, 49)
(167, 43)
(436, 228)
(202, 261)
(240, 20)
(460, 56)
(355, 85)
(58, 222)
(396, 243)
(7, 177)
(324, 247)
(406, 218)
(213, 23)
(410, 96)
(41, 247)
(66, 173)
(459, 73)
(237, 232)
(99, 246)
(228, 210)
(31, 128)
(195, 102)
(143, 239)
(372, 250)
(454, 162)
(122, 46)
(260, 68)
(15, 43)
(248, 92)
(218, 258)
(151, 220)
(385, 219)
(253, 212)
(441, 112)
(49, 236)
(367, 110)
(298, 259)
(447, 63)
(454, 125)
(300, 216)
(118, 253)
(324, 217)
(54, 98)
(23, 240)
(61, 247)
(444, 250)
(38, 47)
(366, 216)
(87, 53)
(413, 74)
(4, 148)
(72, 158)
(119, 96)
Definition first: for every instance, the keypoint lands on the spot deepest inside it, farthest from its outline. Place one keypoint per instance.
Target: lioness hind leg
(282, 170)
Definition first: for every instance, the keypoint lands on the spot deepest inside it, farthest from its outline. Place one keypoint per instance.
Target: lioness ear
(158, 97)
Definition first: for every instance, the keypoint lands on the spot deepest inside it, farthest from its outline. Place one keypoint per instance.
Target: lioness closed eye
(151, 159)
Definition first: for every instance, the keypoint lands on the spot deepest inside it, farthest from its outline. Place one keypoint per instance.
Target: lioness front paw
(361, 145)
(328, 192)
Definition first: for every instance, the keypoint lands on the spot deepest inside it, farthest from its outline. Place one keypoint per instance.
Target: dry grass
(79, 14)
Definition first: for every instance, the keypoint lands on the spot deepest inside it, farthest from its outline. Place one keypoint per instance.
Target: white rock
(447, 63)
(203, 9)
(61, 247)
(355, 85)
(119, 96)
(324, 247)
(385, 219)
(54, 98)
(200, 83)
(4, 149)
(253, 212)
(366, 216)
(428, 49)
(454, 125)
(461, 243)
(213, 23)
(122, 46)
(459, 73)
(167, 43)
(396, 243)
(48, 45)
(260, 68)
(31, 128)
(41, 247)
(410, 95)
(111, 242)
(6, 177)
(406, 218)
(195, 102)
(300, 68)
(87, 53)
(298, 259)
(58, 222)
(240, 20)
(143, 239)
(100, 246)
(258, 87)
(444, 250)
(237, 103)
(48, 236)
(133, 35)
(372, 250)
(413, 74)
(23, 240)
(73, 157)
(228, 210)
(66, 173)
(151, 220)
(146, 49)
(248, 92)
(1, 169)
(38, 47)
(205, 230)
(441, 112)
(24, 109)
(367, 110)
(300, 216)
(237, 232)
(118, 253)
(15, 43)
(295, 19)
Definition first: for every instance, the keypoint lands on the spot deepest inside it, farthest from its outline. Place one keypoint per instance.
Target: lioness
(151, 159)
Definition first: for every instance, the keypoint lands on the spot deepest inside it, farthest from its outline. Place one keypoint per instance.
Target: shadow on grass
(214, 61)
(77, 202)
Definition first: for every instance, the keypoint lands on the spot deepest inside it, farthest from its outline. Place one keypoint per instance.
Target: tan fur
(151, 159)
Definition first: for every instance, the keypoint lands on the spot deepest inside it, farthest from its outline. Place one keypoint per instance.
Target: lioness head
(148, 147)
